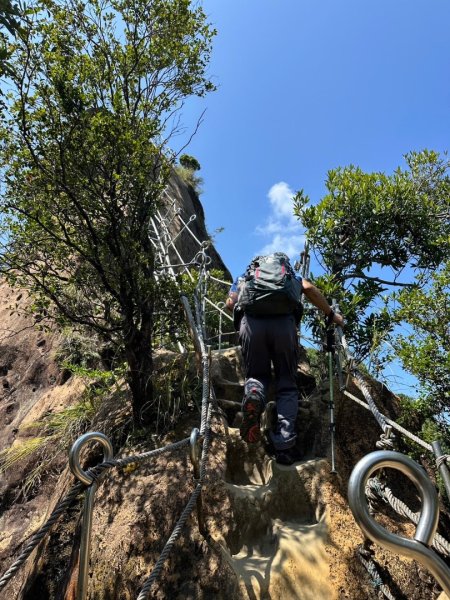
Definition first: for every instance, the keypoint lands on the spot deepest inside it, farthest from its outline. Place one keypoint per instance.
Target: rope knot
(386, 441)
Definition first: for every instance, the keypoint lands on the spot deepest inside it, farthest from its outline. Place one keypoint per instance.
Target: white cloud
(280, 196)
(272, 226)
(291, 245)
(281, 229)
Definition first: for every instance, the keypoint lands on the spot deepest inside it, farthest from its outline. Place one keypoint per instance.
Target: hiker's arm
(316, 297)
(231, 300)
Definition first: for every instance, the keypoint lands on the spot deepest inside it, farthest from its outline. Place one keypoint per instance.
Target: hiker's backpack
(270, 287)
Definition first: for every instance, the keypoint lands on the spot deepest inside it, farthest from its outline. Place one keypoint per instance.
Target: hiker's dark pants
(266, 340)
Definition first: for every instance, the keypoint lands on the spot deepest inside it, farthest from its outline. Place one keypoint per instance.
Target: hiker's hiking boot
(251, 408)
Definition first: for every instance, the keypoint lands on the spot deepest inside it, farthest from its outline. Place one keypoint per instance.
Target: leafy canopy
(425, 351)
(189, 162)
(11, 16)
(95, 92)
(372, 227)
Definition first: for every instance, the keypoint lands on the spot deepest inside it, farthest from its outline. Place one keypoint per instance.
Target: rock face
(184, 215)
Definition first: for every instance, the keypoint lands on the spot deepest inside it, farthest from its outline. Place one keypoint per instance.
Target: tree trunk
(138, 354)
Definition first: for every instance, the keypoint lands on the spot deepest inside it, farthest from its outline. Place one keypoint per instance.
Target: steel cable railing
(205, 431)
(69, 499)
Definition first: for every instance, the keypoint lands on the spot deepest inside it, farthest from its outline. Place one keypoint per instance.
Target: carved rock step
(275, 543)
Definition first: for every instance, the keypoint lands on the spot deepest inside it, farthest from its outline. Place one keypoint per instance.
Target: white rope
(439, 542)
(392, 423)
(228, 283)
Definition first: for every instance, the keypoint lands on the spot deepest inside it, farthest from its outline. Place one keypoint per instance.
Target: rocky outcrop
(182, 201)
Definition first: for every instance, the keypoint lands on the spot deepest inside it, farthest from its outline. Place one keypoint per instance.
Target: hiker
(267, 312)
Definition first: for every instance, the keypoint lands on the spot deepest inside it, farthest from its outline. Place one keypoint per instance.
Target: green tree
(189, 162)
(187, 171)
(96, 90)
(386, 223)
(425, 351)
(10, 17)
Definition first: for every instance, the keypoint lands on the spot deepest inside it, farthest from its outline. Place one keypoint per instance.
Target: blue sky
(306, 86)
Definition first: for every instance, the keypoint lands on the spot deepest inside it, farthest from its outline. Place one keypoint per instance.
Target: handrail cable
(205, 430)
(392, 423)
(365, 555)
(381, 491)
(386, 439)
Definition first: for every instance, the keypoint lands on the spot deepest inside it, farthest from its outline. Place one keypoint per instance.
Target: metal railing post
(191, 324)
(416, 548)
(83, 476)
(194, 453)
(442, 466)
(330, 350)
(332, 422)
(220, 305)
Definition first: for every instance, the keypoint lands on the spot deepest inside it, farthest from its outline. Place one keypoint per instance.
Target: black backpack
(270, 287)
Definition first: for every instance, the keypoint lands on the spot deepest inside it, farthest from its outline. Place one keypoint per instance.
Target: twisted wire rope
(359, 380)
(367, 561)
(60, 508)
(205, 394)
(143, 594)
(392, 423)
(383, 421)
(385, 493)
(71, 496)
(199, 312)
(205, 430)
(157, 569)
